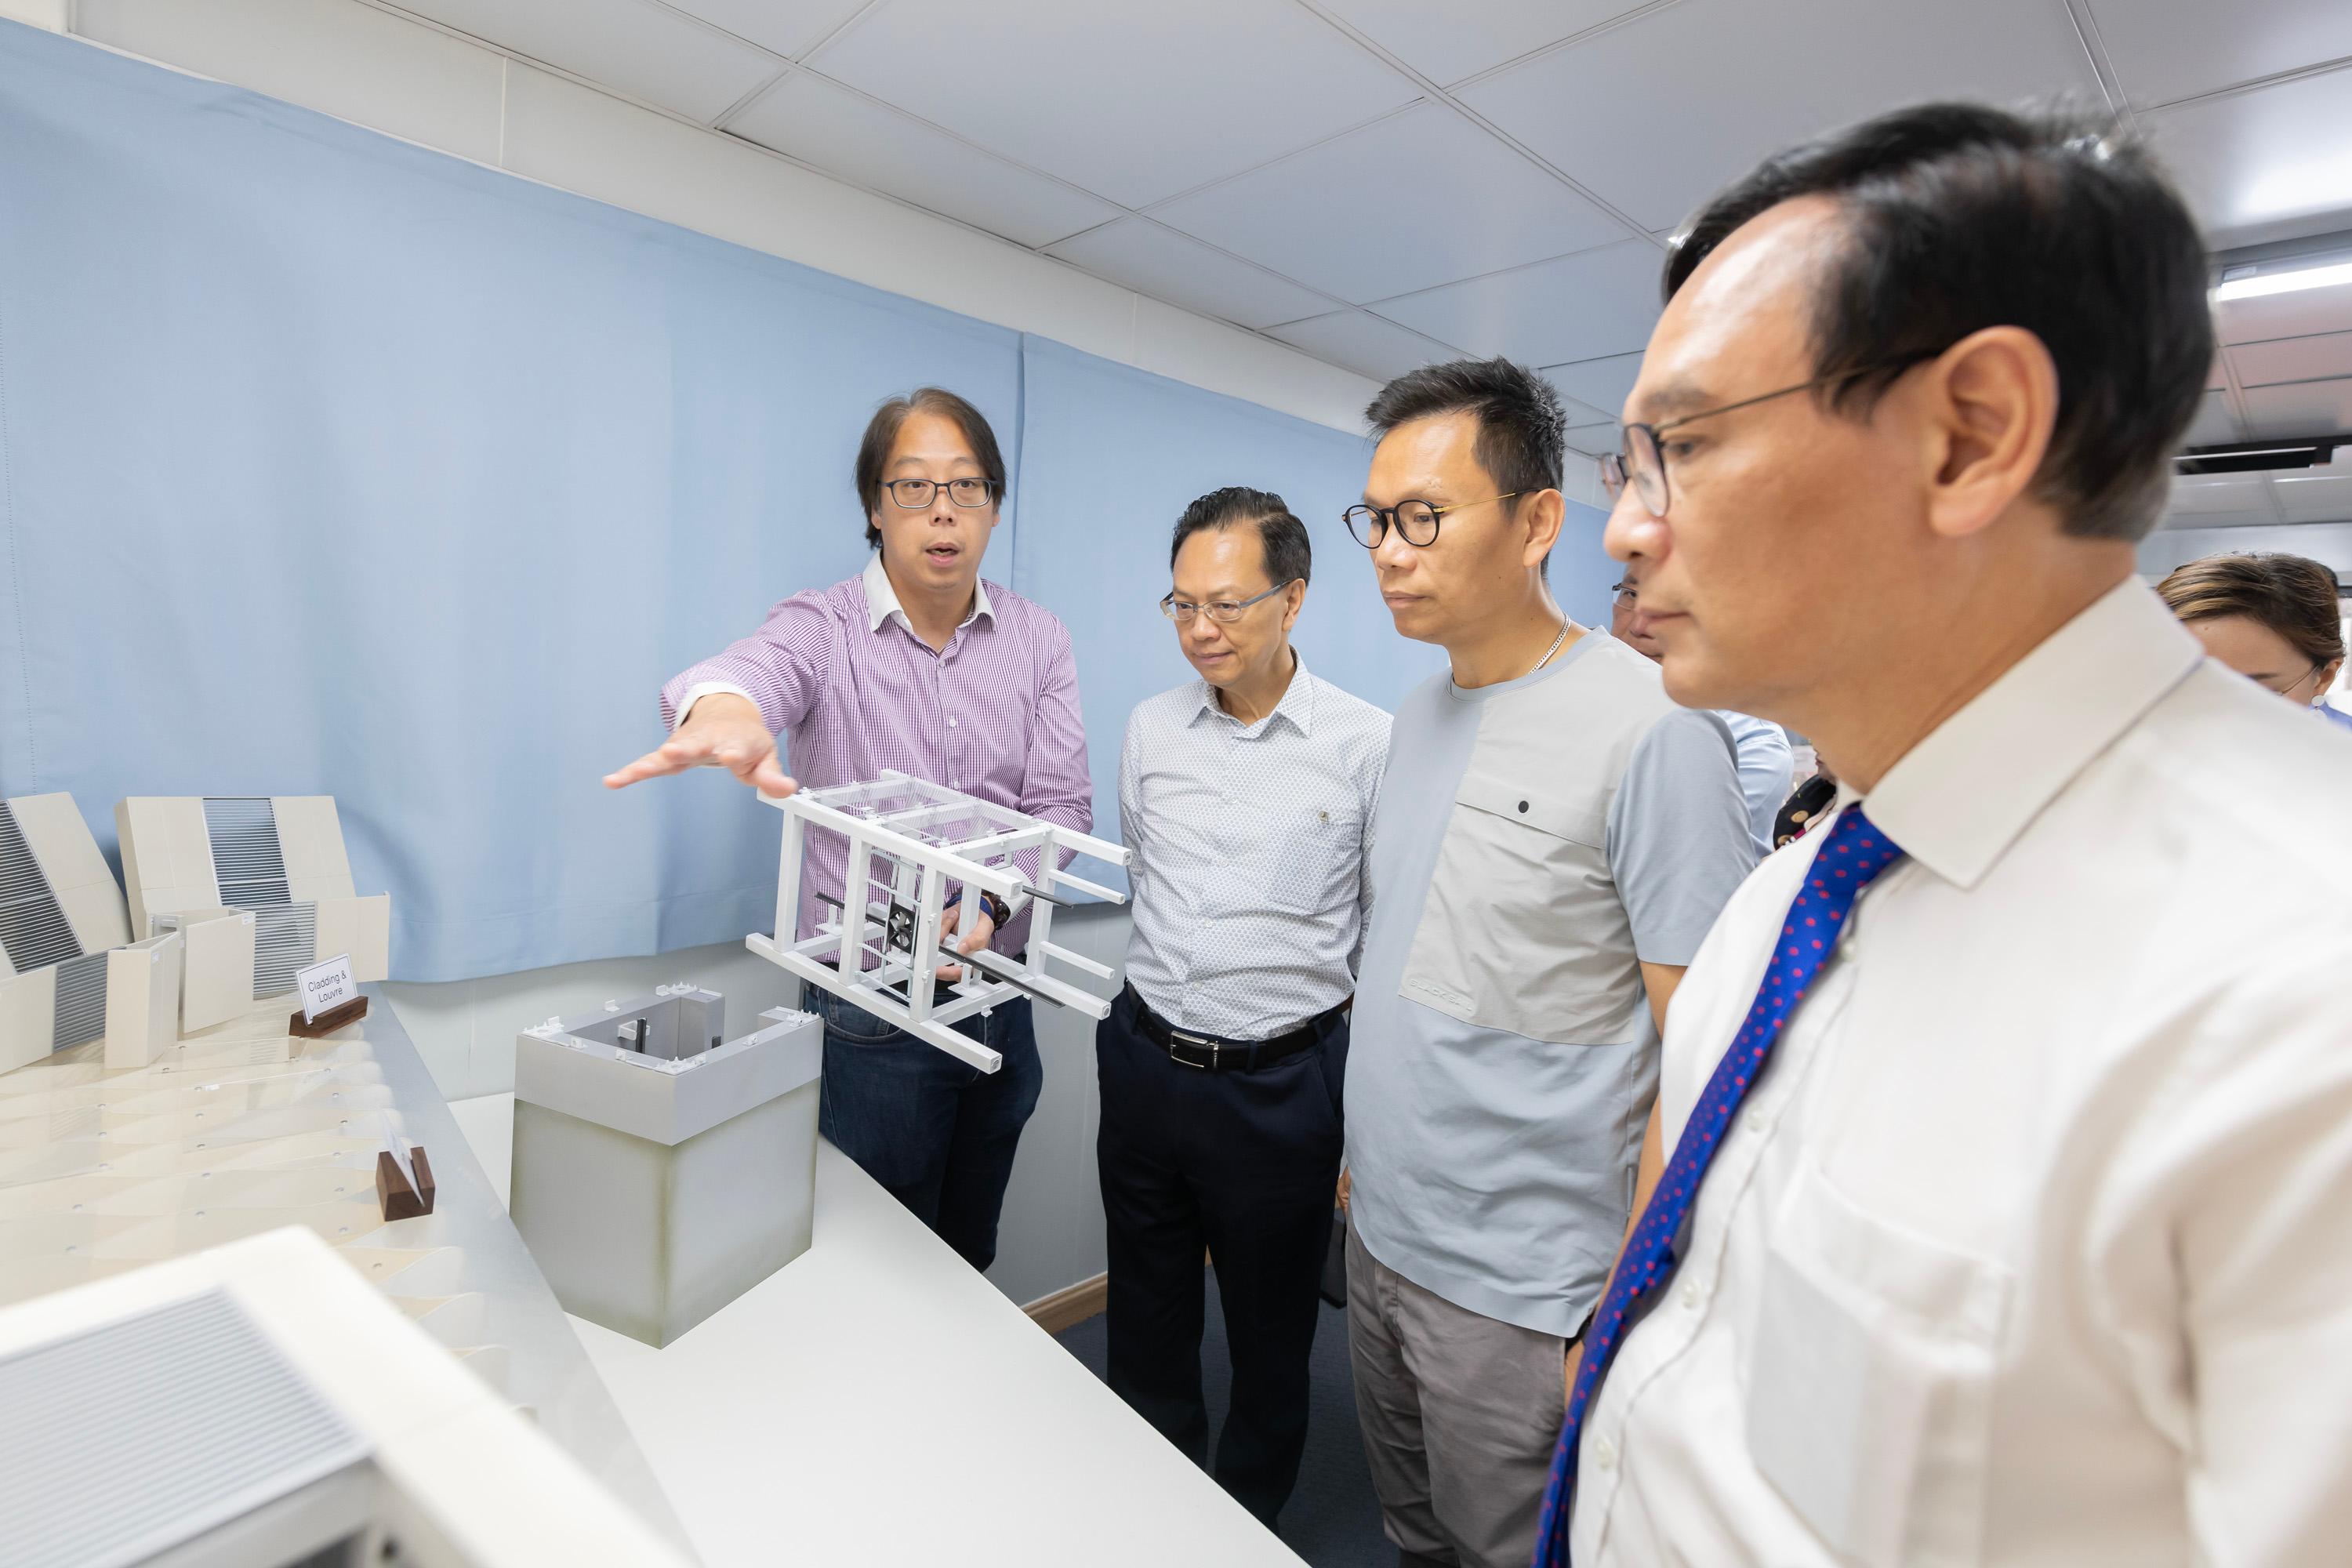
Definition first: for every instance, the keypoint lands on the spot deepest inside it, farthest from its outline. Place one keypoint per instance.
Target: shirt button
(1692, 1295)
(1760, 1122)
(1604, 1453)
(951, 723)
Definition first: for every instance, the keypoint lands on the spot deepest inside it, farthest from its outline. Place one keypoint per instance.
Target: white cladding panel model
(262, 1403)
(882, 946)
(279, 860)
(66, 975)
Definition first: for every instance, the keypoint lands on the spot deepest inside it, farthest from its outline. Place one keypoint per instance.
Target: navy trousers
(939, 1132)
(1242, 1164)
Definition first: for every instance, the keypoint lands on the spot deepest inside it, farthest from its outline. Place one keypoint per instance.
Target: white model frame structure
(913, 838)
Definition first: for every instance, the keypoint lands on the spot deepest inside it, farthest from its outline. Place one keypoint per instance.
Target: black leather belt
(1211, 1054)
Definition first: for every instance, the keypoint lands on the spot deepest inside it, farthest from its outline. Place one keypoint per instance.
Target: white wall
(441, 89)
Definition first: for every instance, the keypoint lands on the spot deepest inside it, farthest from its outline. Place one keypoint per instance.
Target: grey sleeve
(1678, 836)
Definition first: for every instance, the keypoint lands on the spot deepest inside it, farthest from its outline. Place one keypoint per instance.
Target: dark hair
(1960, 217)
(882, 432)
(1521, 423)
(2291, 595)
(1287, 553)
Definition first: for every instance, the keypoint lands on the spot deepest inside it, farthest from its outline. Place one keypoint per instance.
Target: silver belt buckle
(1175, 1033)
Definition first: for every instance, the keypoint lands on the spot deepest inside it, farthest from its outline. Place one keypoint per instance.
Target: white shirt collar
(1959, 798)
(882, 599)
(1297, 704)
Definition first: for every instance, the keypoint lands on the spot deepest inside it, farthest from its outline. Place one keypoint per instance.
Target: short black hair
(882, 433)
(1520, 425)
(1960, 217)
(1287, 553)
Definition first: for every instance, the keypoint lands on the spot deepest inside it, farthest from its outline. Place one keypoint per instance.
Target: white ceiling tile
(1446, 42)
(1594, 441)
(784, 26)
(2305, 408)
(2167, 50)
(2206, 500)
(2271, 164)
(2293, 358)
(830, 128)
(2317, 495)
(1132, 102)
(627, 45)
(1767, 73)
(2213, 423)
(1156, 262)
(1602, 302)
(1365, 344)
(1604, 383)
(1331, 217)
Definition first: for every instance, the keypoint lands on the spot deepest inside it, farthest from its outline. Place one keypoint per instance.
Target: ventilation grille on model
(285, 941)
(81, 1001)
(127, 1440)
(247, 860)
(33, 930)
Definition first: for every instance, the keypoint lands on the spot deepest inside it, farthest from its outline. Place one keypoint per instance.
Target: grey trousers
(1460, 1414)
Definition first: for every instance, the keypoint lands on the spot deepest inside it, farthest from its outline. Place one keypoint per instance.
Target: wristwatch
(999, 912)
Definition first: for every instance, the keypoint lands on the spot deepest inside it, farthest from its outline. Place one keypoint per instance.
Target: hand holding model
(721, 730)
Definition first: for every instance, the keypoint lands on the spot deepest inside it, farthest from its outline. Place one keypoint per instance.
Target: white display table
(877, 1402)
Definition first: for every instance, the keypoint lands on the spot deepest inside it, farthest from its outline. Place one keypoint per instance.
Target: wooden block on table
(399, 1200)
(327, 1021)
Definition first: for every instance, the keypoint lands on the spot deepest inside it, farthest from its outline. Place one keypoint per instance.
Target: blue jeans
(937, 1132)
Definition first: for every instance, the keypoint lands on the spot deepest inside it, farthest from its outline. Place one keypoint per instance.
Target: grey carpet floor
(1333, 1521)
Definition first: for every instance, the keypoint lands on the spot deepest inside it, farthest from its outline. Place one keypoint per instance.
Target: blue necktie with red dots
(1851, 853)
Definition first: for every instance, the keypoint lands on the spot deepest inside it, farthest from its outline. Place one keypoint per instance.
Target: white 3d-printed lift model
(909, 840)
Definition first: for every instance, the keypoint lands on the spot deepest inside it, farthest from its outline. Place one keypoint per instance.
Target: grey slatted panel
(248, 860)
(132, 1438)
(33, 930)
(285, 942)
(81, 1001)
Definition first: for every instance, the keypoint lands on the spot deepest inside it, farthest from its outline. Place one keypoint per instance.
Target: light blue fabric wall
(331, 465)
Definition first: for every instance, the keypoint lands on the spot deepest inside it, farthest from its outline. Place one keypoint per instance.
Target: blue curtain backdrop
(332, 465)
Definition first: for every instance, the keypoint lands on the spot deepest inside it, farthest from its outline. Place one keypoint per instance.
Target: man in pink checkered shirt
(918, 665)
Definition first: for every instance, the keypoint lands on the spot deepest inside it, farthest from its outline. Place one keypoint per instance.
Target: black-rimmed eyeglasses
(1641, 461)
(915, 494)
(1416, 520)
(1224, 611)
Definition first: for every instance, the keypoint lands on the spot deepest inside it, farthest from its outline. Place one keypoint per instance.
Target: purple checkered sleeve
(995, 714)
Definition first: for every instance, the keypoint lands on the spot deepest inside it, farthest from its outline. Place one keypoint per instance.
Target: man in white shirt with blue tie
(1247, 797)
(2008, 1214)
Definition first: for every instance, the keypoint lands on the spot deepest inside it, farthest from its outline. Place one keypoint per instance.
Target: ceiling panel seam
(1374, 305)
(2111, 85)
(1505, 67)
(2253, 85)
(1438, 94)
(1279, 158)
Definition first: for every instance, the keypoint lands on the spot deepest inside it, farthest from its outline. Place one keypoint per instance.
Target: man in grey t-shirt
(1553, 839)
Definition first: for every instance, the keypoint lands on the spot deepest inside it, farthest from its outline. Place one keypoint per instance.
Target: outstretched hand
(723, 730)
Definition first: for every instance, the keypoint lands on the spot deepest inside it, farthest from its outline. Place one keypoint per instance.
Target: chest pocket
(1522, 930)
(1312, 865)
(1870, 1402)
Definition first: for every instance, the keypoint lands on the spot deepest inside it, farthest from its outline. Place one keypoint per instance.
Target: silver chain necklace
(1553, 649)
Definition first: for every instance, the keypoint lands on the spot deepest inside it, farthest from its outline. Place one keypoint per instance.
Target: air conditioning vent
(2260, 457)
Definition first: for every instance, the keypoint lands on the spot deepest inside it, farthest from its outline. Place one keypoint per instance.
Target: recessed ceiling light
(2251, 284)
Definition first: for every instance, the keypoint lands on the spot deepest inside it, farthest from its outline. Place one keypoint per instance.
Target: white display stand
(909, 840)
(68, 973)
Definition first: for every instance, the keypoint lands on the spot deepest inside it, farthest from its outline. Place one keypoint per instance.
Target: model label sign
(325, 985)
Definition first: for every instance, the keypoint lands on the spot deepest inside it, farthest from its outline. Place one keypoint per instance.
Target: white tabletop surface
(877, 1402)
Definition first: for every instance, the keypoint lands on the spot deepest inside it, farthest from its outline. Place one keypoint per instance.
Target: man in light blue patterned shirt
(1247, 797)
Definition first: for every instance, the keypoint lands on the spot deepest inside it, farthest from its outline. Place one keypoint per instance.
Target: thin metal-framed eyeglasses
(1641, 461)
(1224, 611)
(1416, 520)
(916, 494)
(2289, 689)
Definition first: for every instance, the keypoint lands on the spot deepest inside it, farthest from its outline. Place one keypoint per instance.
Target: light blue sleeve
(1768, 767)
(1679, 842)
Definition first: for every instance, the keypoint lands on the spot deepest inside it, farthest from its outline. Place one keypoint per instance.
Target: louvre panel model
(908, 841)
(284, 942)
(127, 1440)
(81, 1001)
(33, 930)
(247, 859)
